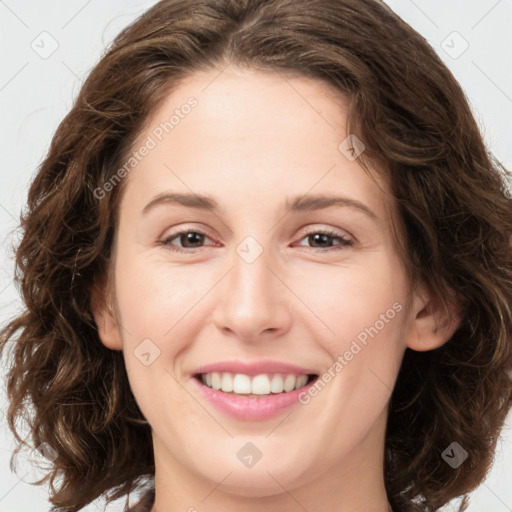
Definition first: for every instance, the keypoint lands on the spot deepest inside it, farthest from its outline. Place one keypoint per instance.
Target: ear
(433, 324)
(108, 327)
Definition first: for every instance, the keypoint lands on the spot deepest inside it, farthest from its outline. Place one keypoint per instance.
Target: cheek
(153, 296)
(156, 306)
(162, 309)
(363, 301)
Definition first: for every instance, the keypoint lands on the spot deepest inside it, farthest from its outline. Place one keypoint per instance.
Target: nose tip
(253, 302)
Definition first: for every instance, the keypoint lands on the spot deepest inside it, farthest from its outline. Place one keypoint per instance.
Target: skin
(254, 140)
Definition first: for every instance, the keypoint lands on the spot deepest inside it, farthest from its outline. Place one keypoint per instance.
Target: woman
(259, 370)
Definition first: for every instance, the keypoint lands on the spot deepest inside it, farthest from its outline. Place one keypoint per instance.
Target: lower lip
(252, 409)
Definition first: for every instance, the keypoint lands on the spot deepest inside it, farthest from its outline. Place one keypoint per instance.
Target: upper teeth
(262, 384)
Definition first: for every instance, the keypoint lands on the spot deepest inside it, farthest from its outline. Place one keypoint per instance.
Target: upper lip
(253, 368)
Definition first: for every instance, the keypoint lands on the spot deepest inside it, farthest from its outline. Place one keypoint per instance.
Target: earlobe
(433, 323)
(108, 328)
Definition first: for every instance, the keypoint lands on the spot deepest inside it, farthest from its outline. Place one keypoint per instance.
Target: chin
(253, 485)
(266, 478)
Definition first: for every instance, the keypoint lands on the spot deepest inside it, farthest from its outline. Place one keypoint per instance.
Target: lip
(254, 368)
(251, 409)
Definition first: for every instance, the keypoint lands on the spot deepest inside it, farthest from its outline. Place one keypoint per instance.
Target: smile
(253, 398)
(258, 385)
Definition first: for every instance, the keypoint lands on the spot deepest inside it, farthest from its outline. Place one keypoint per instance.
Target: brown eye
(188, 239)
(320, 240)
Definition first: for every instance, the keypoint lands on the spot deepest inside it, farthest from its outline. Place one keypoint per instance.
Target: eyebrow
(294, 204)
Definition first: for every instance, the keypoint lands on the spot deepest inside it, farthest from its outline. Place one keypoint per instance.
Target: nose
(254, 301)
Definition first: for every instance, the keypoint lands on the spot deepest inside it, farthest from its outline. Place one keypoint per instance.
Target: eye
(325, 237)
(185, 237)
(193, 239)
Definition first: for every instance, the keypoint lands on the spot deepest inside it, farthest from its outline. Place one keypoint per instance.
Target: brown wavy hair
(454, 209)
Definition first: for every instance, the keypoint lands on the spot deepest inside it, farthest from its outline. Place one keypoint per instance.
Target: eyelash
(345, 242)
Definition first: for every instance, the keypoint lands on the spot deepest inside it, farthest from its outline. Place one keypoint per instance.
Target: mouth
(255, 386)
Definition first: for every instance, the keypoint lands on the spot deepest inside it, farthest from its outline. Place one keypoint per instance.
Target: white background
(36, 92)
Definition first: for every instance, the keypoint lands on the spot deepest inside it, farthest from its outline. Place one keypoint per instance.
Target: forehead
(247, 132)
(248, 102)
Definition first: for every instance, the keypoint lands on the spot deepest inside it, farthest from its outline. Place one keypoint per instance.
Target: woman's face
(259, 289)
